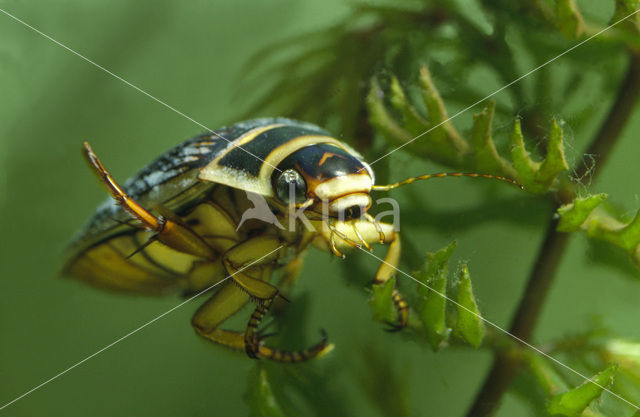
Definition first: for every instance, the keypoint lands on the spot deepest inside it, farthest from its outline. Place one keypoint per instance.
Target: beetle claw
(267, 335)
(283, 297)
(393, 327)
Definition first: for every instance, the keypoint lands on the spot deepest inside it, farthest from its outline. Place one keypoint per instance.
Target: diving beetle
(180, 223)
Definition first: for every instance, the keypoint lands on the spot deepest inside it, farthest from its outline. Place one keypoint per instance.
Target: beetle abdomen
(129, 259)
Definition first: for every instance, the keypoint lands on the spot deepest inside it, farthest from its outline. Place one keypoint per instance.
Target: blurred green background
(191, 56)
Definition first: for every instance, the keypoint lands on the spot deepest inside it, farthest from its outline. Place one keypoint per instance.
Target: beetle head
(324, 175)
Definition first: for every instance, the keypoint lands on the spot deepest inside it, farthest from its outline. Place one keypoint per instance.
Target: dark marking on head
(320, 162)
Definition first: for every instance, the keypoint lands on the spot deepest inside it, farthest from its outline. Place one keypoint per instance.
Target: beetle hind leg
(249, 284)
(167, 228)
(256, 349)
(319, 349)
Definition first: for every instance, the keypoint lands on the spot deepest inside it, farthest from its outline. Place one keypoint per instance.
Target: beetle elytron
(177, 224)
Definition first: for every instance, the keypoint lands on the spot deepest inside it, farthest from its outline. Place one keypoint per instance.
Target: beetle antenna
(443, 175)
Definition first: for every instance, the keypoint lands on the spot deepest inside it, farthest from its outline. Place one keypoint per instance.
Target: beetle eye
(290, 184)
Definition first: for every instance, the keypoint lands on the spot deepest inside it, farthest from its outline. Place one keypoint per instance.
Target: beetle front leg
(366, 232)
(388, 269)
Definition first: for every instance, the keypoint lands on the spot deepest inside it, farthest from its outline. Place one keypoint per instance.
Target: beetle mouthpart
(350, 206)
(307, 203)
(343, 185)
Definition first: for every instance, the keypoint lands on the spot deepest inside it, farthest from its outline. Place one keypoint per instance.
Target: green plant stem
(554, 245)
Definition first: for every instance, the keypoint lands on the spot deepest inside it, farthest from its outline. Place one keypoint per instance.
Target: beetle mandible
(178, 224)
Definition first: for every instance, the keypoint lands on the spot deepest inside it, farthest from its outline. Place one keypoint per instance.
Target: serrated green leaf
(545, 374)
(574, 214)
(260, 397)
(623, 9)
(486, 156)
(436, 138)
(431, 307)
(443, 137)
(522, 162)
(538, 177)
(381, 300)
(554, 163)
(585, 214)
(381, 119)
(568, 19)
(469, 324)
(630, 234)
(603, 226)
(411, 119)
(572, 403)
(628, 6)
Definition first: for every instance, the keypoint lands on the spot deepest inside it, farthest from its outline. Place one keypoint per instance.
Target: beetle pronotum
(179, 223)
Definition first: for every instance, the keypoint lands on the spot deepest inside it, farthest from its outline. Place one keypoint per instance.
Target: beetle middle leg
(248, 284)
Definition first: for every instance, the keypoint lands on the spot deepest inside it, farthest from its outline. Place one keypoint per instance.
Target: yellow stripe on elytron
(245, 138)
(236, 178)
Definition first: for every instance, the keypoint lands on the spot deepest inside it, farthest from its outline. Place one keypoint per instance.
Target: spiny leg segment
(249, 285)
(384, 273)
(167, 230)
(256, 349)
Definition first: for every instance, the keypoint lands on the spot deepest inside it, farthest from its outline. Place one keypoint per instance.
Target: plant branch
(555, 243)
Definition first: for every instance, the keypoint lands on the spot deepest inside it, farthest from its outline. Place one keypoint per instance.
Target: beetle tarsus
(255, 348)
(402, 308)
(319, 349)
(393, 327)
(283, 297)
